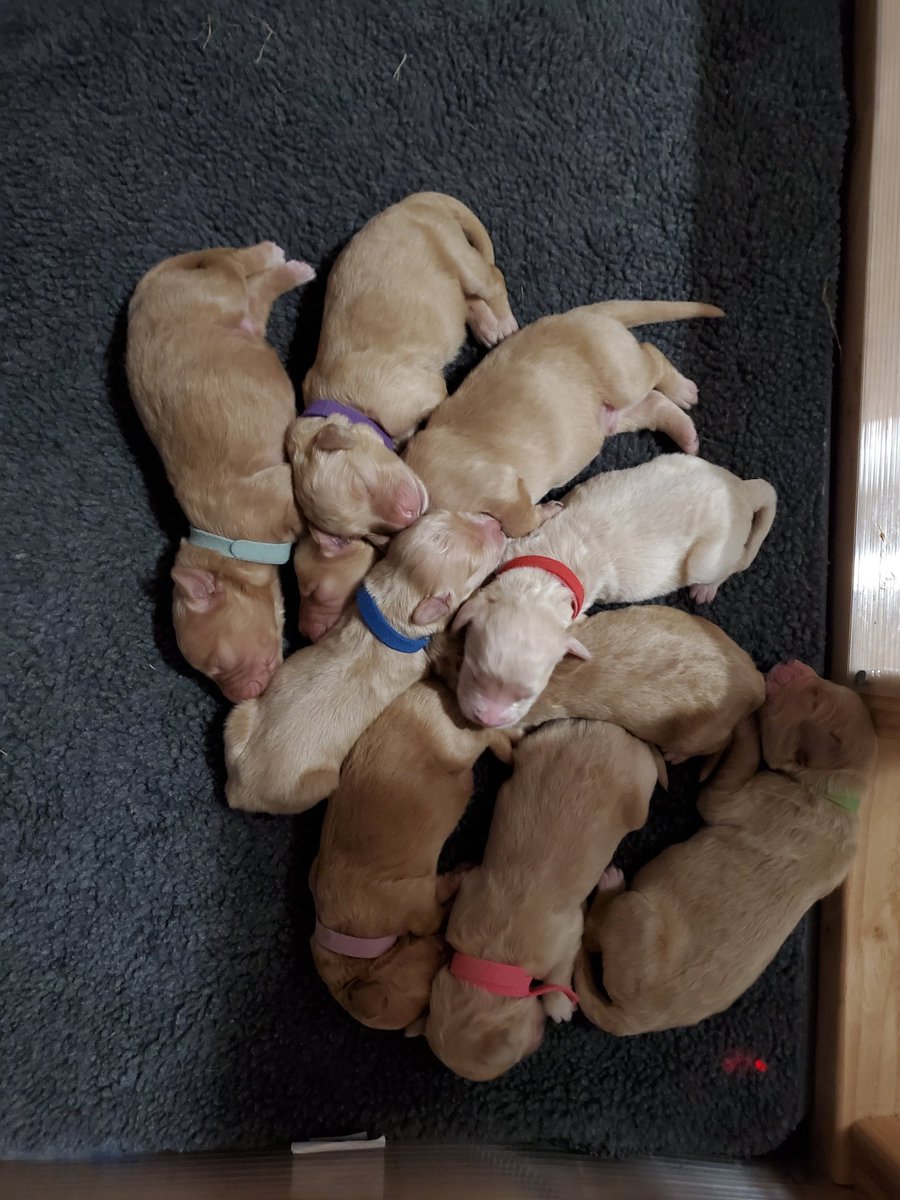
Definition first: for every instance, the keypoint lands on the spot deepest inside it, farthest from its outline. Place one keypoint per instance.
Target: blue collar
(331, 408)
(374, 620)
(273, 554)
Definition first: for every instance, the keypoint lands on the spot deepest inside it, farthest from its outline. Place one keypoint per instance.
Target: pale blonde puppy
(577, 788)
(216, 402)
(702, 921)
(404, 788)
(328, 570)
(284, 751)
(673, 680)
(397, 304)
(537, 410)
(625, 536)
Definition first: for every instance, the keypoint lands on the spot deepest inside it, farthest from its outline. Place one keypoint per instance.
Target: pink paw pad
(703, 593)
(611, 880)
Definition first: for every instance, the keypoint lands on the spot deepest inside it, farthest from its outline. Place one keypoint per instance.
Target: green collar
(846, 800)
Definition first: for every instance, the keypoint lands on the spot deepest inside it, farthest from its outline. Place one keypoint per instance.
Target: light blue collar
(377, 624)
(270, 553)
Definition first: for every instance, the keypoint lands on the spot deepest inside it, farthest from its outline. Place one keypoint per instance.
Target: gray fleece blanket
(156, 989)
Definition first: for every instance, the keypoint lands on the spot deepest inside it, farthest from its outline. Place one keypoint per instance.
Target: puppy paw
(301, 271)
(684, 393)
(612, 880)
(549, 510)
(691, 442)
(507, 326)
(674, 758)
(558, 1007)
(274, 253)
(703, 593)
(483, 323)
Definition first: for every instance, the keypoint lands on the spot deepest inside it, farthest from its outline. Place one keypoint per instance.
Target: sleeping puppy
(403, 789)
(703, 920)
(673, 680)
(536, 411)
(216, 402)
(329, 569)
(396, 308)
(577, 788)
(624, 536)
(284, 751)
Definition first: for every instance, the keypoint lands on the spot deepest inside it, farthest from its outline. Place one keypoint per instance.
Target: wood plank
(876, 1158)
(858, 1067)
(866, 595)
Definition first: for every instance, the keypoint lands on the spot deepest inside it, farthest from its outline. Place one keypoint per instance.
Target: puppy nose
(787, 672)
(491, 714)
(406, 505)
(250, 684)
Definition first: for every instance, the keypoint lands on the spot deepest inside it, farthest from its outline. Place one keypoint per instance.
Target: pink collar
(353, 947)
(500, 979)
(553, 567)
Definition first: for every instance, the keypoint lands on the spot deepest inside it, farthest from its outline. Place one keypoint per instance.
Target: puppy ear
(576, 649)
(200, 589)
(329, 543)
(464, 615)
(431, 609)
(818, 746)
(334, 437)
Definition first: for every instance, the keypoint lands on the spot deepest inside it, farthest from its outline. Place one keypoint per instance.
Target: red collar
(553, 567)
(500, 979)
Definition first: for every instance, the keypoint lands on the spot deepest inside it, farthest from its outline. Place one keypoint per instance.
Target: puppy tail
(764, 499)
(649, 312)
(594, 1005)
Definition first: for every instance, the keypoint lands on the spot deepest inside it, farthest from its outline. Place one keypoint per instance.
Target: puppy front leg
(557, 1005)
(658, 412)
(519, 515)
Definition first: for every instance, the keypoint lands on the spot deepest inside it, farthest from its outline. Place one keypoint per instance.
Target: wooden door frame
(857, 1102)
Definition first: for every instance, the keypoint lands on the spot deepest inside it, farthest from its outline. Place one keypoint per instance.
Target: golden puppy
(673, 680)
(284, 751)
(403, 789)
(396, 308)
(216, 401)
(329, 569)
(578, 787)
(624, 535)
(703, 920)
(537, 410)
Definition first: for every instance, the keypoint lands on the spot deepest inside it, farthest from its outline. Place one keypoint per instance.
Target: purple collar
(331, 408)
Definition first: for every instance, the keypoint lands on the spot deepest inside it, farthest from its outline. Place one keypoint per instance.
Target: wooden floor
(410, 1172)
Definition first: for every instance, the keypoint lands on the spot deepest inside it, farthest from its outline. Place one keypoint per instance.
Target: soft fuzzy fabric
(157, 990)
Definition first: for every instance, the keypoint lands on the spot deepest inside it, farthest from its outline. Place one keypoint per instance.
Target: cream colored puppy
(702, 921)
(284, 751)
(398, 301)
(622, 536)
(673, 680)
(576, 790)
(380, 903)
(216, 402)
(538, 409)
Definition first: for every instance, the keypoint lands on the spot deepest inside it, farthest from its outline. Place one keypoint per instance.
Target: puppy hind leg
(260, 257)
(658, 413)
(264, 288)
(519, 515)
(680, 390)
(610, 884)
(488, 313)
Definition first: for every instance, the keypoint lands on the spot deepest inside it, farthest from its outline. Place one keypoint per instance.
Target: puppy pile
(446, 600)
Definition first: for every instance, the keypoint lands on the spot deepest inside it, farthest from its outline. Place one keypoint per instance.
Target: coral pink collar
(500, 979)
(553, 567)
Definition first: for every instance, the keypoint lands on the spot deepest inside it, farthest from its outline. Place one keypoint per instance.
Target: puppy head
(389, 992)
(348, 482)
(478, 1035)
(442, 559)
(228, 625)
(810, 725)
(511, 650)
(329, 569)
